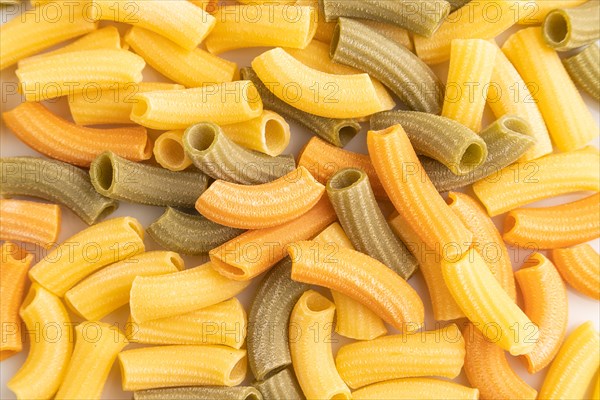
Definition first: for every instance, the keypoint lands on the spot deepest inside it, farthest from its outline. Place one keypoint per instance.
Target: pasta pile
(325, 241)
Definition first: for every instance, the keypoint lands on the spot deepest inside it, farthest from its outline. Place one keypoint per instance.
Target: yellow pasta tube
(415, 388)
(46, 364)
(70, 73)
(225, 103)
(569, 120)
(312, 356)
(111, 105)
(269, 133)
(545, 302)
(108, 289)
(579, 266)
(534, 12)
(191, 68)
(62, 140)
(470, 71)
(428, 353)
(41, 28)
(162, 296)
(261, 206)
(487, 305)
(316, 92)
(528, 182)
(28, 221)
(413, 194)
(14, 264)
(180, 365)
(575, 365)
(87, 251)
(223, 323)
(169, 153)
(353, 319)
(96, 347)
(180, 21)
(254, 25)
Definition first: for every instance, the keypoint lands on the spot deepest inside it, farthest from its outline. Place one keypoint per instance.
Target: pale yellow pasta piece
(415, 388)
(269, 133)
(169, 152)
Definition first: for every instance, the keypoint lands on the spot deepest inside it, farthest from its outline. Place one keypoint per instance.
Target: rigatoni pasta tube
(487, 305)
(534, 12)
(181, 365)
(269, 133)
(583, 70)
(569, 120)
(569, 28)
(415, 388)
(169, 153)
(428, 353)
(281, 385)
(13, 273)
(92, 359)
(545, 302)
(108, 289)
(361, 277)
(324, 382)
(414, 196)
(195, 392)
(46, 364)
(579, 266)
(28, 221)
(162, 296)
(87, 251)
(60, 139)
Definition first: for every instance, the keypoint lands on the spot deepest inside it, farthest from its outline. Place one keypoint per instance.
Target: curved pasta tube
(13, 276)
(569, 28)
(88, 251)
(358, 212)
(487, 305)
(528, 182)
(57, 182)
(162, 296)
(47, 361)
(415, 388)
(358, 276)
(268, 134)
(575, 365)
(57, 138)
(28, 221)
(488, 370)
(66, 74)
(337, 96)
(92, 359)
(414, 196)
(261, 25)
(583, 70)
(579, 266)
(533, 13)
(281, 385)
(108, 289)
(428, 353)
(261, 206)
(181, 365)
(553, 227)
(191, 392)
(182, 22)
(308, 351)
(169, 153)
(546, 303)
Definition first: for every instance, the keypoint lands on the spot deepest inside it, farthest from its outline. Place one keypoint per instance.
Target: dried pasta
(169, 153)
(579, 266)
(411, 388)
(583, 70)
(194, 392)
(28, 221)
(268, 134)
(568, 28)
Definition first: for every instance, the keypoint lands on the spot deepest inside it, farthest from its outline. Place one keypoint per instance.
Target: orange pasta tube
(253, 252)
(261, 206)
(487, 240)
(14, 264)
(62, 140)
(546, 304)
(488, 370)
(361, 277)
(413, 194)
(580, 267)
(28, 221)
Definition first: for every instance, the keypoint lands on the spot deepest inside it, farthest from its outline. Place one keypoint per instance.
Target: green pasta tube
(189, 234)
(456, 4)
(422, 17)
(352, 198)
(57, 182)
(445, 140)
(200, 393)
(282, 385)
(267, 337)
(213, 153)
(394, 65)
(338, 132)
(584, 69)
(121, 179)
(569, 28)
(507, 140)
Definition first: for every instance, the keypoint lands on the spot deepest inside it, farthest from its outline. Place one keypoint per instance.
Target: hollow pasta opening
(556, 27)
(340, 396)
(171, 152)
(227, 269)
(136, 227)
(140, 107)
(238, 372)
(275, 136)
(516, 125)
(345, 179)
(509, 223)
(471, 157)
(317, 303)
(346, 133)
(251, 396)
(105, 172)
(177, 262)
(201, 136)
